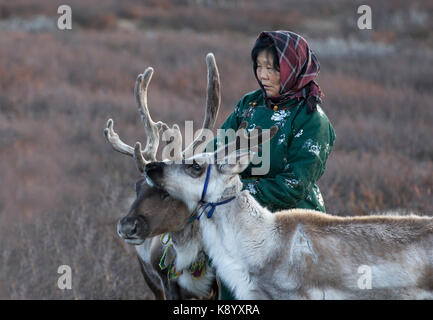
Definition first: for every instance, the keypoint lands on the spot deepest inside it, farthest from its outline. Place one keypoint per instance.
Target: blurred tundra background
(62, 187)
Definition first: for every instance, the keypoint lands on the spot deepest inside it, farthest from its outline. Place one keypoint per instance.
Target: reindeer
(298, 253)
(154, 212)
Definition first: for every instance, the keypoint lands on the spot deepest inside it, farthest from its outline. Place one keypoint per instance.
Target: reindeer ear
(236, 162)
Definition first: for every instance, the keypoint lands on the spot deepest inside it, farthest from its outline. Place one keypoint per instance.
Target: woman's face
(267, 75)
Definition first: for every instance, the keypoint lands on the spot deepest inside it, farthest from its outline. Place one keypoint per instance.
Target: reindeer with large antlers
(154, 212)
(299, 253)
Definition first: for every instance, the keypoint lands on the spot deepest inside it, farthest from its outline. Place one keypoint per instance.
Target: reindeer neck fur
(188, 244)
(244, 211)
(188, 241)
(236, 237)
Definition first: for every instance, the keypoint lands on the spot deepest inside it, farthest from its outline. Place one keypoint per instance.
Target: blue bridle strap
(206, 204)
(206, 182)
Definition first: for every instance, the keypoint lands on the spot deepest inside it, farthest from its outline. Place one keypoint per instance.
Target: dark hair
(265, 44)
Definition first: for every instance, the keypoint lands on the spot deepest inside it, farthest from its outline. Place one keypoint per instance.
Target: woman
(289, 97)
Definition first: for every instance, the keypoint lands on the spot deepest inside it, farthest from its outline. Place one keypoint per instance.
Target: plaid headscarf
(298, 69)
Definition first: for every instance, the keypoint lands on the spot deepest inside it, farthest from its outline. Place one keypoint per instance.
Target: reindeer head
(207, 171)
(154, 211)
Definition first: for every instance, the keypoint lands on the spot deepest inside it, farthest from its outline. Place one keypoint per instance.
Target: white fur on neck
(227, 230)
(186, 253)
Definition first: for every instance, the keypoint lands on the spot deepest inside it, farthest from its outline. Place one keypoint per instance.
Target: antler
(152, 129)
(115, 141)
(245, 140)
(213, 102)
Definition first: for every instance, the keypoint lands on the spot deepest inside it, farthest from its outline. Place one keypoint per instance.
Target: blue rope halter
(206, 204)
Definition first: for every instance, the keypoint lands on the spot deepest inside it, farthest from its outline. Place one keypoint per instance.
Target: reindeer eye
(194, 169)
(195, 166)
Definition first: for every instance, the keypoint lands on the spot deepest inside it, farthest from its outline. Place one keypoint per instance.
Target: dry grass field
(63, 188)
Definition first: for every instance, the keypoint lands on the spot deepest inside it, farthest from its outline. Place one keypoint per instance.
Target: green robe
(298, 152)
